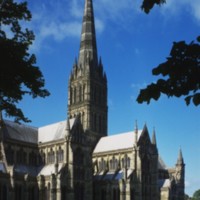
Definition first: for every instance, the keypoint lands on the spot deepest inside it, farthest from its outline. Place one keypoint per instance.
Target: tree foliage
(196, 195)
(181, 72)
(19, 75)
(147, 5)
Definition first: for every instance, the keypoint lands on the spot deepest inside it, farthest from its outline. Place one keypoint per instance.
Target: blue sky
(130, 43)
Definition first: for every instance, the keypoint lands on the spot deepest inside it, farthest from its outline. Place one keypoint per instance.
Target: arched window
(60, 155)
(113, 163)
(51, 156)
(21, 156)
(42, 157)
(32, 158)
(102, 165)
(126, 162)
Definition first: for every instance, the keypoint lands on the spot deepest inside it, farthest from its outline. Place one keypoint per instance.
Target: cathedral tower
(87, 90)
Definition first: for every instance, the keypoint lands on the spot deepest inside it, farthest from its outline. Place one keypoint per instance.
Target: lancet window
(102, 165)
(51, 156)
(32, 158)
(60, 155)
(126, 161)
(113, 163)
(21, 156)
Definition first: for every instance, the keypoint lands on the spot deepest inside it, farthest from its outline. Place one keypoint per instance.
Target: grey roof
(116, 142)
(29, 134)
(54, 131)
(21, 132)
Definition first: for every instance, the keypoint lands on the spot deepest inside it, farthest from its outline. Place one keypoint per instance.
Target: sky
(130, 43)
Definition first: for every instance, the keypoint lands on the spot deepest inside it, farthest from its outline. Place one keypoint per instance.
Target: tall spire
(88, 47)
(180, 160)
(153, 141)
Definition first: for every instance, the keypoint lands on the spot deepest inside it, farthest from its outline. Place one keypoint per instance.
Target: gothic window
(32, 158)
(102, 165)
(126, 161)
(21, 156)
(60, 155)
(10, 155)
(42, 158)
(113, 163)
(51, 156)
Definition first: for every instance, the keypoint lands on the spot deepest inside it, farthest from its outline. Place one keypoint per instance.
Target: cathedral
(76, 159)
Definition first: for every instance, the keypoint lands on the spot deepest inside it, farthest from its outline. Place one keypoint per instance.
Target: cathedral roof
(53, 131)
(20, 132)
(29, 134)
(116, 142)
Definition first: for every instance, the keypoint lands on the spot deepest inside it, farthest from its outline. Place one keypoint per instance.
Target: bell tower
(87, 90)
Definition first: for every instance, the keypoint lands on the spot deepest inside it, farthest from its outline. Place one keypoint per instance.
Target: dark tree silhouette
(18, 74)
(181, 70)
(147, 5)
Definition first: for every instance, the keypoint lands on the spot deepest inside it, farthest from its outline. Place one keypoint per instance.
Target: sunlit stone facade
(75, 159)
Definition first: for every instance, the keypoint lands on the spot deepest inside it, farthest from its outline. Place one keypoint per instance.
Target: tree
(196, 195)
(19, 75)
(181, 71)
(147, 5)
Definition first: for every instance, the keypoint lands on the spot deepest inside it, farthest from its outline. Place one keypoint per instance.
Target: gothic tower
(87, 90)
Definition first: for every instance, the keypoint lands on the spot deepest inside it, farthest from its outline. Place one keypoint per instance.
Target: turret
(136, 133)
(180, 176)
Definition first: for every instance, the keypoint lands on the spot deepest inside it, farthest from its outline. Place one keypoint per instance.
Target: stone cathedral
(75, 159)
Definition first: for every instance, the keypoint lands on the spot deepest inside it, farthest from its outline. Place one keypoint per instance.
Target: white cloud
(172, 8)
(60, 30)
